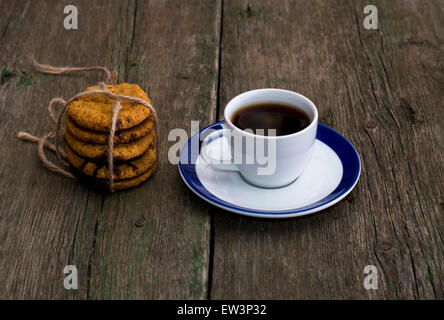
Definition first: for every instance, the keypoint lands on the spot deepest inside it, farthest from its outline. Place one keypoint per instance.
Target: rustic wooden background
(383, 89)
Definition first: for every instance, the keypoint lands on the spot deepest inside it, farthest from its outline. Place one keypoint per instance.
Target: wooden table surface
(382, 89)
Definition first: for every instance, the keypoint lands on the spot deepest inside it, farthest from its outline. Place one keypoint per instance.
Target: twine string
(42, 142)
(116, 109)
(51, 106)
(51, 166)
(58, 132)
(111, 77)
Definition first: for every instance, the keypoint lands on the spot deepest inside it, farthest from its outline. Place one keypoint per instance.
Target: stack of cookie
(87, 132)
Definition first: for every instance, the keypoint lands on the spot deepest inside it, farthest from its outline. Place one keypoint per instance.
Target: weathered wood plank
(149, 242)
(39, 210)
(153, 241)
(382, 90)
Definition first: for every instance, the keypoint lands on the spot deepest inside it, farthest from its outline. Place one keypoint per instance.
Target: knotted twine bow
(111, 77)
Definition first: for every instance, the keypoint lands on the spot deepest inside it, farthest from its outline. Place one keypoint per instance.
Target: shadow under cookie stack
(87, 132)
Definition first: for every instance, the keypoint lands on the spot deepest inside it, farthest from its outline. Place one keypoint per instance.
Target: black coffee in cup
(285, 119)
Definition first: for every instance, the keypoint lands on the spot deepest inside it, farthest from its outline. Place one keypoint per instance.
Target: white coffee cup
(291, 152)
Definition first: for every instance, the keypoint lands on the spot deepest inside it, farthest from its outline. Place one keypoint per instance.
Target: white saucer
(331, 174)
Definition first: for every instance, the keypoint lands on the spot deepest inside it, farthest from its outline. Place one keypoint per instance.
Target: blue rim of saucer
(344, 149)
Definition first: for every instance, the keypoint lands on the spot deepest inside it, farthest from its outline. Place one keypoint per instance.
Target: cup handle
(226, 165)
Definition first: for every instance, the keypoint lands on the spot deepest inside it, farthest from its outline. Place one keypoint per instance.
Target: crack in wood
(211, 213)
